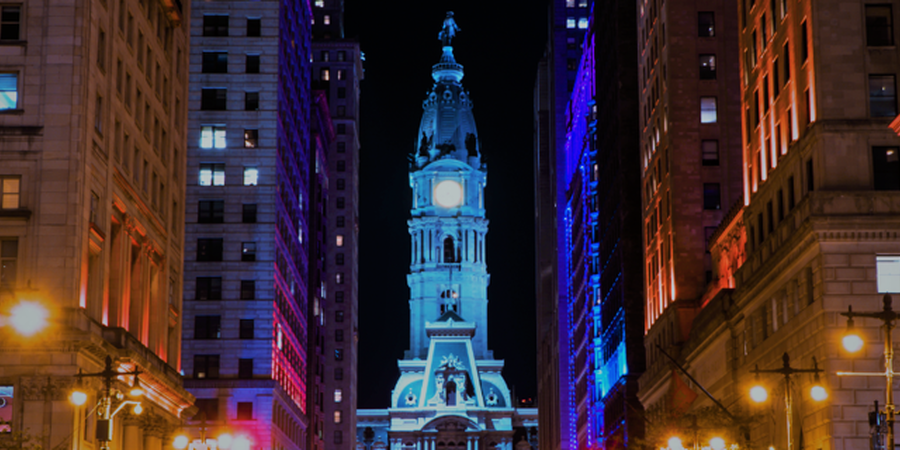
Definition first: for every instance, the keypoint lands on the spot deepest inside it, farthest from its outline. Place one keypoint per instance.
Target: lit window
(251, 176)
(886, 168)
(339, 278)
(248, 251)
(325, 74)
(570, 22)
(707, 110)
(570, 3)
(212, 174)
(326, 19)
(888, 270)
(212, 136)
(707, 67)
(706, 24)
(10, 188)
(341, 74)
(320, 3)
(338, 396)
(339, 240)
(9, 90)
(583, 23)
(251, 138)
(337, 416)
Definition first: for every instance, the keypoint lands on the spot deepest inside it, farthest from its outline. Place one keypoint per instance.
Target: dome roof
(448, 127)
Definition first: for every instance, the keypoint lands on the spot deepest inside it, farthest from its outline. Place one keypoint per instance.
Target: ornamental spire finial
(449, 30)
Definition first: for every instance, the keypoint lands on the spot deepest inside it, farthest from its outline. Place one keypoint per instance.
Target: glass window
(251, 101)
(342, 55)
(324, 56)
(708, 110)
(326, 19)
(570, 22)
(339, 278)
(340, 203)
(338, 396)
(710, 152)
(341, 166)
(888, 270)
(209, 249)
(248, 289)
(339, 297)
(339, 316)
(215, 62)
(252, 64)
(339, 335)
(341, 184)
(249, 213)
(341, 147)
(251, 138)
(10, 22)
(245, 411)
(339, 259)
(341, 74)
(882, 95)
(10, 192)
(804, 41)
(706, 24)
(248, 251)
(339, 221)
(208, 288)
(342, 92)
(213, 99)
(246, 329)
(9, 90)
(211, 211)
(325, 74)
(245, 368)
(582, 23)
(207, 366)
(338, 435)
(339, 240)
(251, 176)
(212, 174)
(207, 327)
(337, 416)
(338, 354)
(212, 136)
(707, 67)
(339, 373)
(215, 25)
(9, 255)
(712, 197)
(254, 27)
(886, 168)
(879, 25)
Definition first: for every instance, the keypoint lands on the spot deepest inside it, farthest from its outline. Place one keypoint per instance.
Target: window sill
(19, 212)
(13, 112)
(11, 43)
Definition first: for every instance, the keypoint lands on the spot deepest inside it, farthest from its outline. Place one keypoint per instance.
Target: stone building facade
(92, 125)
(816, 232)
(250, 162)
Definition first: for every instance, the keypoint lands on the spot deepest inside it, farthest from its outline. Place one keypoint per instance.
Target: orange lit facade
(91, 223)
(815, 233)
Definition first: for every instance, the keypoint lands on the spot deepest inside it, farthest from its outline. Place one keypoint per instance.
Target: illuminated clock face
(448, 194)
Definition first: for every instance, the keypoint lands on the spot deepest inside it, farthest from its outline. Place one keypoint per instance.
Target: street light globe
(181, 442)
(818, 393)
(758, 394)
(675, 443)
(240, 443)
(78, 398)
(138, 409)
(225, 441)
(717, 443)
(28, 317)
(852, 342)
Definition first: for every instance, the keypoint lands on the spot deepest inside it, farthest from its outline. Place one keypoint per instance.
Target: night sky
(499, 45)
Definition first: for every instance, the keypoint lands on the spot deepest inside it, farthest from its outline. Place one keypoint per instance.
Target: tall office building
(815, 234)
(690, 162)
(248, 213)
(338, 71)
(92, 110)
(555, 80)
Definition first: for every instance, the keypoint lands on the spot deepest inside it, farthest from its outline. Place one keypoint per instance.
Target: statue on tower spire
(448, 32)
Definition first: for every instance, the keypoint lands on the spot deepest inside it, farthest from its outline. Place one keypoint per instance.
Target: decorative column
(131, 434)
(154, 429)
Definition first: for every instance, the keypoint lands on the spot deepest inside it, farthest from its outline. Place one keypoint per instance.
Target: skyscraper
(338, 71)
(248, 215)
(94, 96)
(450, 393)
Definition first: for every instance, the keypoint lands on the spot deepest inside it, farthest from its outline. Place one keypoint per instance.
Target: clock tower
(451, 394)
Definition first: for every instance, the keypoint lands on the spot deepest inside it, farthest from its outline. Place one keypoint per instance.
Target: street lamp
(105, 402)
(225, 441)
(818, 393)
(853, 343)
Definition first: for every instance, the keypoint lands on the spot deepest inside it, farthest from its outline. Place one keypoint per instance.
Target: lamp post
(759, 394)
(105, 402)
(853, 343)
(225, 441)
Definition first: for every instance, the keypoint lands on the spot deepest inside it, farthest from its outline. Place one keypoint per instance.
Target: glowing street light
(852, 340)
(717, 443)
(818, 393)
(675, 443)
(105, 400)
(28, 317)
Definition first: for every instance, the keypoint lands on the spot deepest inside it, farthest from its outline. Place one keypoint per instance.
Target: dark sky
(499, 45)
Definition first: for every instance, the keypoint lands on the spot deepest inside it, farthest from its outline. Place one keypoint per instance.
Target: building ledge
(19, 213)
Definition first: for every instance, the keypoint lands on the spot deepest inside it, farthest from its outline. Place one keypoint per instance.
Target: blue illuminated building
(598, 259)
(247, 251)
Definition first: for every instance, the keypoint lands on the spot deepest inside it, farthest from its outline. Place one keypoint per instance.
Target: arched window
(449, 250)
